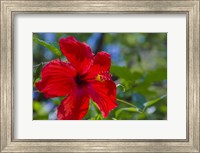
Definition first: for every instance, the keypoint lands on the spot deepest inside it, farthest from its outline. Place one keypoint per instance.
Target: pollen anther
(99, 78)
(103, 76)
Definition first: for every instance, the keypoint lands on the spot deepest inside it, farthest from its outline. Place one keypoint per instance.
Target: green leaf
(122, 72)
(99, 117)
(40, 117)
(152, 102)
(36, 106)
(56, 101)
(37, 72)
(139, 100)
(49, 46)
(55, 44)
(159, 74)
(130, 109)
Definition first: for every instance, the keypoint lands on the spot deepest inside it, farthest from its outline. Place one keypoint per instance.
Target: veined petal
(75, 106)
(100, 67)
(104, 95)
(78, 54)
(58, 79)
(102, 61)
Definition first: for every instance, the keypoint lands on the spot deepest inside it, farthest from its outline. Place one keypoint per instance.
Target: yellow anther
(99, 78)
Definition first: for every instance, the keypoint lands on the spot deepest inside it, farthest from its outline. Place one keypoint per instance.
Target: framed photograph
(100, 76)
(109, 85)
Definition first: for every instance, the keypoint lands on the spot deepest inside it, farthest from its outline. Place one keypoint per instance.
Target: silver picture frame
(9, 8)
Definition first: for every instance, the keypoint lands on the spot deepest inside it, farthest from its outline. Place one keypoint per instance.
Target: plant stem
(122, 101)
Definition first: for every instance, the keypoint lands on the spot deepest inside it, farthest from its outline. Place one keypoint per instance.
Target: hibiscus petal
(58, 79)
(101, 66)
(74, 107)
(78, 54)
(102, 60)
(104, 94)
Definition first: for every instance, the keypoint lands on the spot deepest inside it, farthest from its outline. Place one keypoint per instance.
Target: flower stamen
(99, 78)
(103, 76)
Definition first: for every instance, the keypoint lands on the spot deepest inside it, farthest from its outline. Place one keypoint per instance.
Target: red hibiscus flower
(84, 76)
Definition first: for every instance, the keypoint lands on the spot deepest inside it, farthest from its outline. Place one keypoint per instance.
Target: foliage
(139, 69)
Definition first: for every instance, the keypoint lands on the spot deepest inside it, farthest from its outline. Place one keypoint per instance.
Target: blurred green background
(139, 65)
